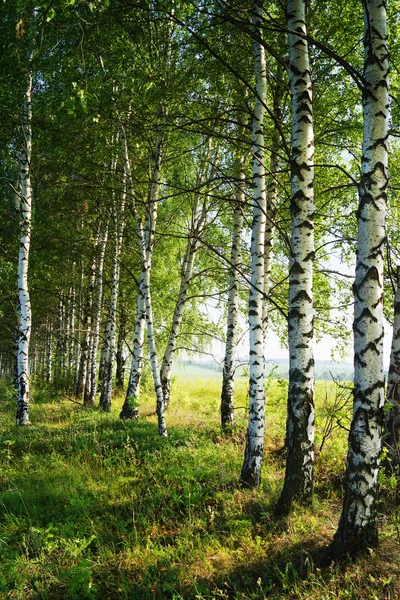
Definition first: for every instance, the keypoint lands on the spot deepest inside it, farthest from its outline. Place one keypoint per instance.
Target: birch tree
(144, 304)
(357, 529)
(392, 421)
(300, 420)
(228, 373)
(201, 207)
(25, 320)
(118, 218)
(251, 469)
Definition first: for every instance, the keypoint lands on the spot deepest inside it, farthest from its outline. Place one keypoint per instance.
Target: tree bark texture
(392, 422)
(228, 373)
(25, 311)
(198, 222)
(95, 332)
(357, 529)
(251, 469)
(119, 224)
(298, 483)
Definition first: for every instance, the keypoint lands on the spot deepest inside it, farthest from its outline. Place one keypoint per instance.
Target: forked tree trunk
(25, 320)
(391, 437)
(357, 529)
(186, 276)
(251, 469)
(199, 217)
(228, 373)
(298, 483)
(146, 243)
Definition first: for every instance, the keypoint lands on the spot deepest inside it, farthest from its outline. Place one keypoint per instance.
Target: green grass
(92, 507)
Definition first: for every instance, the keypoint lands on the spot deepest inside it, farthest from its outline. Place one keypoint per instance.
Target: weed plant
(92, 507)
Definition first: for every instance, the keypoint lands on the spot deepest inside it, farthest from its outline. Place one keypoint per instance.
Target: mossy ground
(92, 507)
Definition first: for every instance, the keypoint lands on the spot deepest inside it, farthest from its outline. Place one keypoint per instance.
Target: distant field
(324, 370)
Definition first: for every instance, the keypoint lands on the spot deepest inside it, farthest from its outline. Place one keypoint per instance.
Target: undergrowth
(92, 507)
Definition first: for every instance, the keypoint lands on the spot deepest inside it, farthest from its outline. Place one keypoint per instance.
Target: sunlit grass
(92, 507)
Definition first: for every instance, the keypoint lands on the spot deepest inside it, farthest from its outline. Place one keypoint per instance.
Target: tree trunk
(251, 469)
(272, 192)
(90, 391)
(357, 529)
(82, 379)
(228, 373)
(199, 216)
(25, 321)
(120, 372)
(130, 409)
(119, 222)
(391, 437)
(298, 483)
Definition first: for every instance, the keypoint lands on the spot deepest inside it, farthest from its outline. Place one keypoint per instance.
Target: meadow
(92, 507)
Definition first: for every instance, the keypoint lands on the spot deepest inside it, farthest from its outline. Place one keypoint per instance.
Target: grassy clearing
(92, 507)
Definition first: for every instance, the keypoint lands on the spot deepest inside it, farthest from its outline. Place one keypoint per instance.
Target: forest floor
(93, 507)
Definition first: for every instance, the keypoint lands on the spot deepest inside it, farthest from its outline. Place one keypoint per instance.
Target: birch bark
(298, 483)
(272, 193)
(392, 422)
(198, 221)
(146, 243)
(119, 225)
(251, 469)
(228, 373)
(25, 321)
(90, 391)
(357, 529)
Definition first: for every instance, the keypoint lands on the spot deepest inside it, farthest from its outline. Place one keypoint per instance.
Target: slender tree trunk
(228, 373)
(106, 384)
(82, 380)
(95, 334)
(166, 367)
(357, 529)
(392, 425)
(22, 417)
(49, 352)
(130, 408)
(160, 406)
(272, 193)
(298, 483)
(251, 469)
(198, 221)
(120, 372)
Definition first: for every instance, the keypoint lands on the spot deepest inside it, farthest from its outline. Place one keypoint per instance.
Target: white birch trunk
(130, 408)
(25, 321)
(106, 384)
(357, 529)
(198, 221)
(228, 373)
(95, 333)
(251, 469)
(272, 193)
(298, 483)
(186, 276)
(392, 421)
